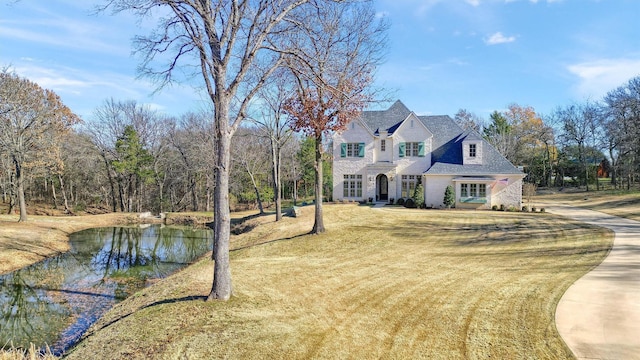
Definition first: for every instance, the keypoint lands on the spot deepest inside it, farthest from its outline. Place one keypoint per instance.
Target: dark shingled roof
(446, 158)
(388, 120)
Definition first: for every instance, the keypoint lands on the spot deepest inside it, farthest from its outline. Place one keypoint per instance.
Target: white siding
(466, 158)
(434, 188)
(387, 155)
(410, 165)
(508, 195)
(355, 133)
(497, 194)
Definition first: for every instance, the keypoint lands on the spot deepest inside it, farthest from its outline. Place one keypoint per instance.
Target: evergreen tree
(449, 198)
(133, 165)
(418, 195)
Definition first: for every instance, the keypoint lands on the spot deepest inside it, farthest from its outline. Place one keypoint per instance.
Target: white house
(382, 155)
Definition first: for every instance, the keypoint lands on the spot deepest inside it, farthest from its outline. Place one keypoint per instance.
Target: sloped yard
(620, 203)
(381, 283)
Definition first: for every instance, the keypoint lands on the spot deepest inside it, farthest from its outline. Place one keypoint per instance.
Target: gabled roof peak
(398, 107)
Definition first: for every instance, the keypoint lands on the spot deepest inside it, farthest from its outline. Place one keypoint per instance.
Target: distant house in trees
(603, 169)
(383, 155)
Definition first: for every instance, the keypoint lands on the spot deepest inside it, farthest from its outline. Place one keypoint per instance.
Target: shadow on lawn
(156, 303)
(260, 243)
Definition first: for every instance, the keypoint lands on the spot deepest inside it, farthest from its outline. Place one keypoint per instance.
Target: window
(352, 150)
(409, 185)
(472, 150)
(464, 190)
(383, 145)
(482, 190)
(352, 186)
(411, 149)
(473, 190)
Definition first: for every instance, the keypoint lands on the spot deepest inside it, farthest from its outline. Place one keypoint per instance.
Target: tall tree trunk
(130, 194)
(12, 197)
(194, 195)
(121, 194)
(53, 194)
(257, 191)
(586, 174)
(295, 191)
(114, 201)
(20, 182)
(64, 194)
(275, 153)
(614, 165)
(222, 288)
(208, 206)
(318, 225)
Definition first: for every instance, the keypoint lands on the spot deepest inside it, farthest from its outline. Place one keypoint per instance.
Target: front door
(382, 187)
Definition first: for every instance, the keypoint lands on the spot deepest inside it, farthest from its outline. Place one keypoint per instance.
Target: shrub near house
(386, 154)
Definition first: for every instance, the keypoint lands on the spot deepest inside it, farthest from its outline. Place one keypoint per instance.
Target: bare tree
(191, 137)
(333, 63)
(109, 124)
(231, 45)
(579, 123)
(249, 150)
(468, 120)
(272, 121)
(622, 127)
(32, 121)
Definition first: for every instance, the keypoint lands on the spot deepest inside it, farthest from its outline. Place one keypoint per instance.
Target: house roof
(446, 156)
(386, 120)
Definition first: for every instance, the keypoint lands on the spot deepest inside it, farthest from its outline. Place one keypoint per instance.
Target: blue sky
(443, 55)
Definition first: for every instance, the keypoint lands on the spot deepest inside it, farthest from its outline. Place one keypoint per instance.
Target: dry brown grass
(30, 354)
(614, 202)
(388, 283)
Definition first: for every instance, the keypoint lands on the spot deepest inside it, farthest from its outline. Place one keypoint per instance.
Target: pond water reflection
(54, 301)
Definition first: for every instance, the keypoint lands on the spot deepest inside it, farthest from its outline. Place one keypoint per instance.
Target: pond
(55, 301)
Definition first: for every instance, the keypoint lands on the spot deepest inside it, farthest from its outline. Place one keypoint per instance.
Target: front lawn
(381, 283)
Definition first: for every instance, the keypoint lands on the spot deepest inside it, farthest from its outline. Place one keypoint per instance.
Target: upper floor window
(472, 150)
(411, 149)
(383, 145)
(352, 150)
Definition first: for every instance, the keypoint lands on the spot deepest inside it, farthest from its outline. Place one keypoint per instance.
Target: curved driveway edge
(598, 317)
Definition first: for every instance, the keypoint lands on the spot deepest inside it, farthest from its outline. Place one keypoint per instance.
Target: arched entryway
(382, 187)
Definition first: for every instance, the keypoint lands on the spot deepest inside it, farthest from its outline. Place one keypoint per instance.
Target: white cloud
(473, 2)
(74, 81)
(499, 38)
(596, 78)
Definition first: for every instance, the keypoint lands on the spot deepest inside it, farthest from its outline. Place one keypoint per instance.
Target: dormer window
(472, 152)
(383, 145)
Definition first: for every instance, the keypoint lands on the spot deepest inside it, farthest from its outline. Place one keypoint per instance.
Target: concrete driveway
(599, 315)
